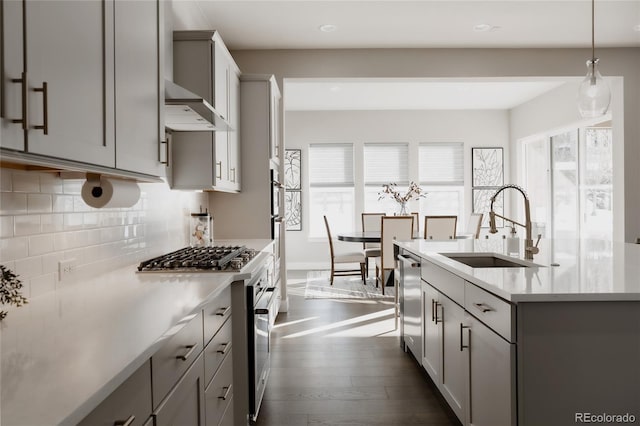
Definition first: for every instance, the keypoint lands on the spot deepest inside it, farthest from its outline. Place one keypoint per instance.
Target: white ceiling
(294, 24)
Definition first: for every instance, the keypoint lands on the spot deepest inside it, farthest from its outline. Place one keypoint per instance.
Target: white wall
(622, 62)
(43, 220)
(473, 128)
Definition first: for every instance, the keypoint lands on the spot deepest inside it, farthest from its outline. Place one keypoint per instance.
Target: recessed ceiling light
(637, 28)
(327, 28)
(482, 28)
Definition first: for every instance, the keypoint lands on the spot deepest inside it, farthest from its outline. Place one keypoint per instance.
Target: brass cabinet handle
(45, 108)
(23, 94)
(462, 346)
(127, 422)
(189, 352)
(225, 348)
(223, 311)
(227, 391)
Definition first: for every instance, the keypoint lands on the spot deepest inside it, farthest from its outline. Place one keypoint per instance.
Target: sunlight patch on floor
(286, 324)
(345, 323)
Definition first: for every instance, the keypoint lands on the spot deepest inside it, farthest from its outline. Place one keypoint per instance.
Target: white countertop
(589, 270)
(67, 350)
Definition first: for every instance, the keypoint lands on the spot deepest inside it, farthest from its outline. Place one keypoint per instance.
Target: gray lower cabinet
(129, 404)
(453, 380)
(227, 417)
(491, 376)
(185, 403)
(219, 392)
(432, 333)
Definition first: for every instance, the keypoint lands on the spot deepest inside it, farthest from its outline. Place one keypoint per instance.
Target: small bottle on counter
(513, 243)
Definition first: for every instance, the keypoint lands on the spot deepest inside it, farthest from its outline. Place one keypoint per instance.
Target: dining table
(374, 236)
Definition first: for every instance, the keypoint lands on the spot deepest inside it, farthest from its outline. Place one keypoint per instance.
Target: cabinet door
(70, 48)
(137, 87)
(11, 86)
(491, 377)
(222, 159)
(221, 80)
(274, 122)
(185, 404)
(129, 404)
(234, 135)
(454, 383)
(432, 333)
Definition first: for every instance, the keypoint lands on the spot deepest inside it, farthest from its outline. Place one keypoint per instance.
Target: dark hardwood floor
(339, 362)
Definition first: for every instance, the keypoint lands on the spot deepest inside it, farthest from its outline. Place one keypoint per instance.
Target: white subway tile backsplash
(13, 203)
(26, 225)
(13, 248)
(39, 203)
(52, 222)
(26, 182)
(29, 267)
(72, 221)
(6, 226)
(63, 203)
(40, 244)
(43, 220)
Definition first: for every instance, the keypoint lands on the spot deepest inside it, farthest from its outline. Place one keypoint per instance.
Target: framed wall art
(293, 189)
(487, 167)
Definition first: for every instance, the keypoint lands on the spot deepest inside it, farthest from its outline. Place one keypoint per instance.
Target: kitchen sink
(475, 260)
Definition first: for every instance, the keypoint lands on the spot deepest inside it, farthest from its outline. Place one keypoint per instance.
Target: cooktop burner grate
(217, 258)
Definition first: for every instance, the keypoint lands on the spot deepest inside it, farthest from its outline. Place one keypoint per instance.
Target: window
(441, 174)
(384, 163)
(331, 181)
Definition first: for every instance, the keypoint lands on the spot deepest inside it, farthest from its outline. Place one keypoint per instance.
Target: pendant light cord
(593, 31)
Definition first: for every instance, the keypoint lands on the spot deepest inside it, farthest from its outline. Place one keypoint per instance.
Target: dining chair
(440, 227)
(343, 258)
(392, 228)
(473, 225)
(416, 222)
(370, 222)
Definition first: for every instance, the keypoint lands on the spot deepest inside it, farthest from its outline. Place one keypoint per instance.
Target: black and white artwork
(293, 210)
(292, 165)
(482, 204)
(487, 167)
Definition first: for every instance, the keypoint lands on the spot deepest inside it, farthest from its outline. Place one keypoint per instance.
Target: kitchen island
(68, 350)
(553, 341)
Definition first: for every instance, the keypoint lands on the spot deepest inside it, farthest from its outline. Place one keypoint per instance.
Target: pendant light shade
(594, 95)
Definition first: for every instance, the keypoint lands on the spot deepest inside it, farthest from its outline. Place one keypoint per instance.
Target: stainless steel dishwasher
(410, 298)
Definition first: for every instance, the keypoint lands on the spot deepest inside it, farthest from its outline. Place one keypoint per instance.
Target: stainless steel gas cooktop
(201, 259)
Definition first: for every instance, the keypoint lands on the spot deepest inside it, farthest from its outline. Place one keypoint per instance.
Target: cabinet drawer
(175, 356)
(496, 313)
(216, 350)
(227, 417)
(131, 401)
(216, 312)
(219, 392)
(447, 283)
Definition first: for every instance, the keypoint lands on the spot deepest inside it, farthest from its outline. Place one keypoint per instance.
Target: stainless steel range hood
(187, 112)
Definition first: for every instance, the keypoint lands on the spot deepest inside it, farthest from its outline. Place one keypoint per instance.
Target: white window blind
(385, 163)
(331, 165)
(441, 163)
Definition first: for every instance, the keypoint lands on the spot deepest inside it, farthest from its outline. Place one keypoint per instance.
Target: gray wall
(622, 62)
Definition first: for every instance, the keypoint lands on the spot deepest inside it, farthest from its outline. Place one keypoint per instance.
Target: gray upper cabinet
(207, 160)
(84, 85)
(139, 86)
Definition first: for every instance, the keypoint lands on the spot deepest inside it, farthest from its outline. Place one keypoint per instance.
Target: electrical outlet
(66, 267)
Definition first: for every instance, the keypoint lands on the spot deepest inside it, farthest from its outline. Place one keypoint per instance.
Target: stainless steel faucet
(529, 248)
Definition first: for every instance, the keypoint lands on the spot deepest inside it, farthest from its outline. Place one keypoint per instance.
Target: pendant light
(594, 95)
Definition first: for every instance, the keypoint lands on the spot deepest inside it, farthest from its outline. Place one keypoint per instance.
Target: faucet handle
(534, 250)
(538, 240)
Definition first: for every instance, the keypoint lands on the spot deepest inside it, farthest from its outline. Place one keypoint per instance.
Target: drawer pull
(483, 307)
(227, 391)
(184, 357)
(223, 311)
(462, 345)
(23, 81)
(225, 347)
(435, 310)
(45, 108)
(127, 422)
